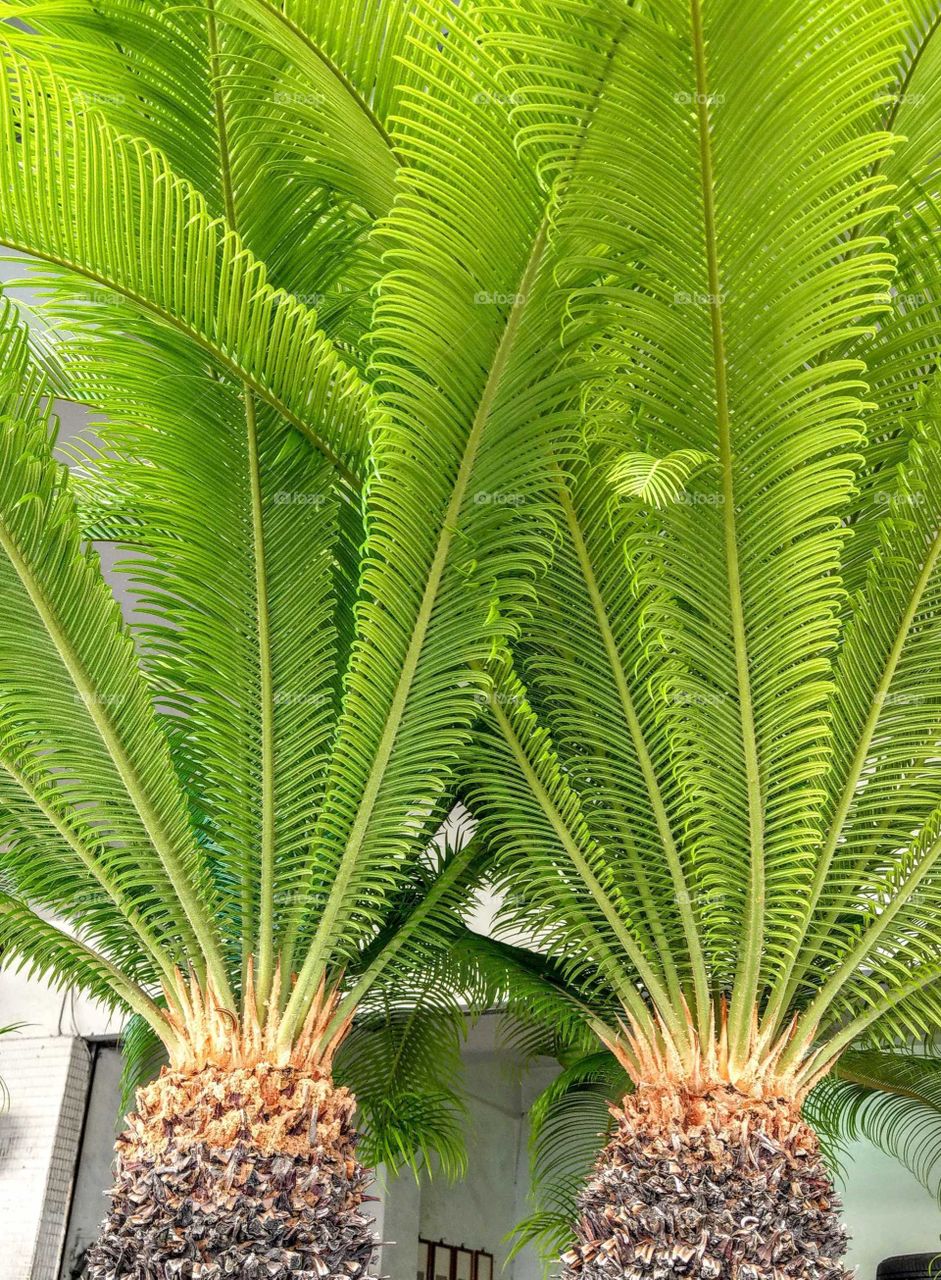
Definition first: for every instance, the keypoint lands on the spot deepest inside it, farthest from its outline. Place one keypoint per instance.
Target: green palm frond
(468, 433)
(196, 276)
(569, 1124)
(891, 1098)
(725, 688)
(545, 1017)
(655, 481)
(243, 611)
(40, 949)
(76, 708)
(686, 646)
(534, 820)
(340, 117)
(904, 350)
(402, 1060)
(201, 588)
(609, 441)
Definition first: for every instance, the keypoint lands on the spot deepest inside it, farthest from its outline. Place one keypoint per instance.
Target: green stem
(745, 989)
(266, 691)
(623, 983)
(700, 977)
(785, 991)
(265, 973)
(152, 945)
(219, 356)
(811, 1018)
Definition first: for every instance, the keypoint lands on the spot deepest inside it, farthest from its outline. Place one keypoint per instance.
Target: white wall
(482, 1210)
(39, 1142)
(886, 1210)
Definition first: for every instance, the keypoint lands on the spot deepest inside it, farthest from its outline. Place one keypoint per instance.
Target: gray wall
(93, 1175)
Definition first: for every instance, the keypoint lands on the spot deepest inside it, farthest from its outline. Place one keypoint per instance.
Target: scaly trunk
(240, 1159)
(711, 1173)
(249, 1173)
(714, 1185)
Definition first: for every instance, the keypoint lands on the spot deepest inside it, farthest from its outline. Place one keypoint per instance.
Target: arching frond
(469, 433)
(721, 289)
(893, 1099)
(402, 1059)
(232, 628)
(29, 942)
(80, 738)
(196, 276)
(570, 1122)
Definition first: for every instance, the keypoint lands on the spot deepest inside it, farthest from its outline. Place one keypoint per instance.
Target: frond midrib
(313, 962)
(202, 937)
(700, 976)
(624, 986)
(747, 978)
(155, 950)
(218, 355)
(851, 783)
(268, 798)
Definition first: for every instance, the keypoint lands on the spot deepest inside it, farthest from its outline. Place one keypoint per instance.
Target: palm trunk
(712, 1184)
(245, 1172)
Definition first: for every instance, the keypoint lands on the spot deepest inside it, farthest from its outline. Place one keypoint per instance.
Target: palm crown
(245, 790)
(708, 766)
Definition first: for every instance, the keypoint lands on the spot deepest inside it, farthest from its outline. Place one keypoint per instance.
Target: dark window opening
(440, 1261)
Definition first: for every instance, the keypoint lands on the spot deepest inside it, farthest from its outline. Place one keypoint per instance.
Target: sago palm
(138, 770)
(218, 816)
(709, 766)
